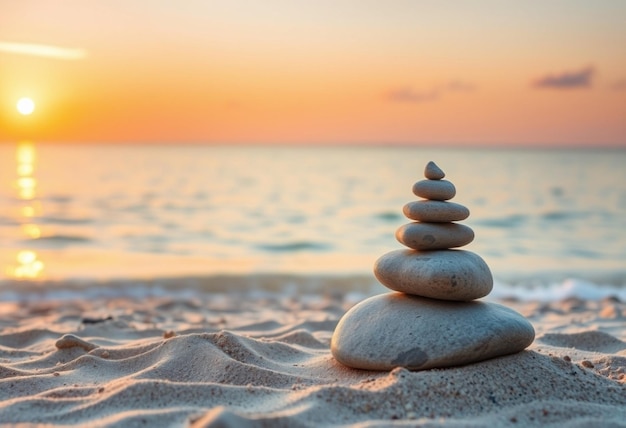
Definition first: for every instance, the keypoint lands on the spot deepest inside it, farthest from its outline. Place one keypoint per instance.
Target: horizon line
(562, 145)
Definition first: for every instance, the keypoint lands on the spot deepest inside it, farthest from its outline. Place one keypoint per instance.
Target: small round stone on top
(433, 172)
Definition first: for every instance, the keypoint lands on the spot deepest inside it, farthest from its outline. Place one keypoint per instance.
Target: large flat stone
(396, 329)
(447, 274)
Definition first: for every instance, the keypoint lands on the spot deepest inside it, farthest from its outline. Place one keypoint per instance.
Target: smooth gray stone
(396, 329)
(435, 211)
(433, 172)
(447, 274)
(434, 236)
(435, 190)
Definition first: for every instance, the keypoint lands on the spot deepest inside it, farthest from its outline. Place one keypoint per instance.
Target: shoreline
(542, 288)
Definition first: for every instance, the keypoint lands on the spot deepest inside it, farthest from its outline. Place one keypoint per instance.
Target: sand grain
(237, 361)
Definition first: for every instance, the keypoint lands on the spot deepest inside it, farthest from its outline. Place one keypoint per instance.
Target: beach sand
(262, 359)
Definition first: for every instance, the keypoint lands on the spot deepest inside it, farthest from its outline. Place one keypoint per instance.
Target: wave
(389, 216)
(518, 220)
(504, 222)
(8, 221)
(61, 239)
(559, 216)
(65, 220)
(59, 199)
(294, 246)
(572, 288)
(260, 286)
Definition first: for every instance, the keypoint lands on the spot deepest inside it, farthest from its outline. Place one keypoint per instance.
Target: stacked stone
(432, 318)
(430, 268)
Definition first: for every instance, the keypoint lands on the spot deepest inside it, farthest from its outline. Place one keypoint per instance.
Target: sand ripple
(595, 341)
(167, 362)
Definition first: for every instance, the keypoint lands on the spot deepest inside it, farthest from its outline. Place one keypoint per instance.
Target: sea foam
(341, 288)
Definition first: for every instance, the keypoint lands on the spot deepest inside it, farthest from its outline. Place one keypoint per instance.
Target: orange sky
(473, 72)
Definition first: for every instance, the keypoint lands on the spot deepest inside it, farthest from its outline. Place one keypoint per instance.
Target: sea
(550, 223)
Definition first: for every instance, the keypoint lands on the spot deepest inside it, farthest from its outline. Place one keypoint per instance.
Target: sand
(262, 359)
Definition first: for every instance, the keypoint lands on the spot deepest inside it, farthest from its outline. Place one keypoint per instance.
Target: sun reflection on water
(28, 265)
(31, 230)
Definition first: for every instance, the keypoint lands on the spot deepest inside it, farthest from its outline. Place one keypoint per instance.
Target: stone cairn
(432, 318)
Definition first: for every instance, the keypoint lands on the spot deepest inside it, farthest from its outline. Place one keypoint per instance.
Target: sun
(25, 106)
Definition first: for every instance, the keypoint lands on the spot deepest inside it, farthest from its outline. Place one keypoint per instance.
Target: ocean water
(102, 213)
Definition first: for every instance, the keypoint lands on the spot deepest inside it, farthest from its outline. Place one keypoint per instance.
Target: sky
(491, 72)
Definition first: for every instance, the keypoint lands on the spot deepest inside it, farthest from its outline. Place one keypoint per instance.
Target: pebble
(434, 190)
(399, 330)
(433, 172)
(71, 341)
(434, 236)
(435, 211)
(447, 274)
(432, 318)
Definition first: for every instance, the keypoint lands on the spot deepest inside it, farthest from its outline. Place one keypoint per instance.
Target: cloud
(620, 85)
(45, 51)
(460, 86)
(406, 94)
(567, 80)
